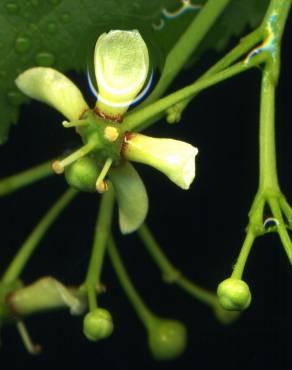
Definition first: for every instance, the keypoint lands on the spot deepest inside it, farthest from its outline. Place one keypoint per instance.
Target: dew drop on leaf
(45, 59)
(22, 44)
(12, 8)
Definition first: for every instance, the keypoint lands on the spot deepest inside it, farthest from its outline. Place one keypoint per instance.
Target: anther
(111, 133)
(101, 185)
(59, 166)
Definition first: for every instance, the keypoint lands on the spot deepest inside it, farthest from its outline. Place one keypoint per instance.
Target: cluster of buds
(121, 64)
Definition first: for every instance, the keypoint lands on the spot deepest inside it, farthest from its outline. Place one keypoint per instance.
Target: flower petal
(121, 64)
(52, 87)
(45, 294)
(131, 197)
(176, 159)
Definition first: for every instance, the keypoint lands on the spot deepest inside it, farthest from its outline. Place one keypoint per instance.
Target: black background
(201, 231)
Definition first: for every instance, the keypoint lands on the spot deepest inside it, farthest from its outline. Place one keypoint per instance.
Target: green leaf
(62, 33)
(238, 18)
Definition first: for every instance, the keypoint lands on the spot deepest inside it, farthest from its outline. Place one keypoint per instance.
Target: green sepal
(131, 196)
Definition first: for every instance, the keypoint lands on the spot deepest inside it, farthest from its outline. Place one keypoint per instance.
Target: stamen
(31, 347)
(77, 123)
(101, 185)
(59, 166)
(111, 133)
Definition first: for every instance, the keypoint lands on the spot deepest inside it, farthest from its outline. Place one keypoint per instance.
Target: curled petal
(131, 197)
(121, 64)
(176, 159)
(45, 294)
(52, 87)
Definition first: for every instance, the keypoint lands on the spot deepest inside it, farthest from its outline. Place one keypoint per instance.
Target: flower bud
(82, 174)
(176, 159)
(121, 64)
(234, 294)
(98, 324)
(167, 339)
(52, 87)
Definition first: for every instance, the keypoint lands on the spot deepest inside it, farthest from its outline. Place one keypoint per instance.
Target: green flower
(121, 66)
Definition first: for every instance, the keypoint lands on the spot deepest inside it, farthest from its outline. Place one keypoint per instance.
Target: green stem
(286, 208)
(170, 273)
(187, 44)
(15, 182)
(268, 178)
(26, 250)
(102, 231)
(269, 190)
(242, 48)
(134, 120)
(280, 9)
(141, 309)
(281, 228)
(244, 253)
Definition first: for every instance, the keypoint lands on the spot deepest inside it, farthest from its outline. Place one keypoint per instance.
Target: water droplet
(14, 97)
(22, 44)
(45, 59)
(270, 223)
(52, 27)
(65, 17)
(12, 8)
(159, 25)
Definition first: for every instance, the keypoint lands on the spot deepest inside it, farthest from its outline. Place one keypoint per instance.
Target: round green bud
(82, 174)
(234, 294)
(167, 339)
(98, 324)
